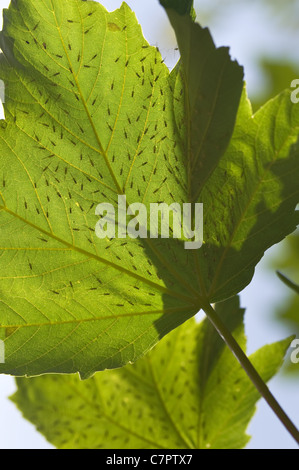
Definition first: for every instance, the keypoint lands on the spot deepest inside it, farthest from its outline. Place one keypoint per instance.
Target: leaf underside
(136, 407)
(92, 113)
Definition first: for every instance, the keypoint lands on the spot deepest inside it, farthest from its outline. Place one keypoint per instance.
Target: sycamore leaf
(288, 282)
(136, 407)
(92, 113)
(89, 116)
(287, 311)
(182, 7)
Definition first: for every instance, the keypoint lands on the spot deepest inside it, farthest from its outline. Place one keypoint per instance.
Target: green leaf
(251, 196)
(213, 85)
(279, 74)
(93, 113)
(288, 282)
(89, 115)
(286, 311)
(136, 407)
(182, 7)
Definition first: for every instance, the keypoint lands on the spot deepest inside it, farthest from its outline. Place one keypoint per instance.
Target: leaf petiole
(250, 369)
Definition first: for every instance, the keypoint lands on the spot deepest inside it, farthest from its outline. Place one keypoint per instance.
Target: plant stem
(250, 370)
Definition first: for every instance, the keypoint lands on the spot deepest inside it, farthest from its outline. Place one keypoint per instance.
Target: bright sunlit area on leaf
(111, 327)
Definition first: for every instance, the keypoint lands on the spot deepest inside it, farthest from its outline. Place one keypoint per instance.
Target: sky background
(250, 30)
